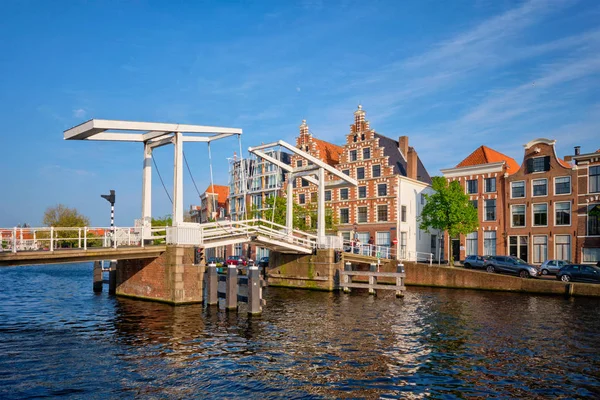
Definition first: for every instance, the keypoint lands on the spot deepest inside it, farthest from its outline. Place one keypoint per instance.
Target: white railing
(53, 238)
(331, 242)
(371, 250)
(416, 256)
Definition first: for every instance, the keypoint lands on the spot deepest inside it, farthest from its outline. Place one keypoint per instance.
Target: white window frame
(485, 181)
(524, 190)
(532, 185)
(536, 247)
(533, 225)
(554, 185)
(570, 213)
(358, 215)
(376, 165)
(524, 214)
(485, 210)
(494, 239)
(557, 244)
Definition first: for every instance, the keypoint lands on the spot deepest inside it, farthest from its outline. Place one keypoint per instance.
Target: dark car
(475, 261)
(579, 272)
(237, 260)
(264, 262)
(511, 265)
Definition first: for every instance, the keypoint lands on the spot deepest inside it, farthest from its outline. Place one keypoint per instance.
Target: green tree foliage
(277, 214)
(165, 221)
(448, 209)
(61, 216)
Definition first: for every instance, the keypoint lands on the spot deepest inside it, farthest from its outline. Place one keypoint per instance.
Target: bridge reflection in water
(61, 339)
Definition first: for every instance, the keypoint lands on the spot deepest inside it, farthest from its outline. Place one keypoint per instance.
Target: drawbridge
(257, 231)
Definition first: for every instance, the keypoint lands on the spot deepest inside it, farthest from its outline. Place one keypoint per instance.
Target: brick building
(540, 198)
(389, 196)
(483, 176)
(214, 204)
(587, 243)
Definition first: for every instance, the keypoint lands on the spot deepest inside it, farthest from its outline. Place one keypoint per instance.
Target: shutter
(547, 163)
(529, 165)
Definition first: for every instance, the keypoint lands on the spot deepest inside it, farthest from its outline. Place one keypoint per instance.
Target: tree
(167, 220)
(277, 214)
(62, 216)
(448, 209)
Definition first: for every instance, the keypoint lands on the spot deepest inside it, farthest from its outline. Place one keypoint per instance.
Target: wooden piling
(211, 285)
(98, 280)
(347, 278)
(372, 280)
(112, 277)
(254, 291)
(231, 288)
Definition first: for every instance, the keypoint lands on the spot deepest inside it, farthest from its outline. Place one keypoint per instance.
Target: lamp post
(355, 231)
(111, 199)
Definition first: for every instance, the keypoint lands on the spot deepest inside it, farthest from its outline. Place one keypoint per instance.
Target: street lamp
(355, 231)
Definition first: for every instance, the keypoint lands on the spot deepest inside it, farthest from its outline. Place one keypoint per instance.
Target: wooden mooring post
(232, 288)
(98, 279)
(211, 285)
(373, 274)
(112, 277)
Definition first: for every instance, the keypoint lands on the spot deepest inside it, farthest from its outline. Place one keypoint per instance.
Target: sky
(450, 75)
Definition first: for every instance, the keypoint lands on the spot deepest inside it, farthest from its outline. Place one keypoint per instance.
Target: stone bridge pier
(171, 278)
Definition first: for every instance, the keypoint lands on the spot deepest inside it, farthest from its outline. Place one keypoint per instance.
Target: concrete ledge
(155, 300)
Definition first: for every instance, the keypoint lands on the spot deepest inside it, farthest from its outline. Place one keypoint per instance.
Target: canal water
(57, 338)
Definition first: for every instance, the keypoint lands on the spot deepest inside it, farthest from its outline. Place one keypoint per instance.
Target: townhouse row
(545, 208)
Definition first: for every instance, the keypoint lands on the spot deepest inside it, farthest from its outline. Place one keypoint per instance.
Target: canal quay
(58, 338)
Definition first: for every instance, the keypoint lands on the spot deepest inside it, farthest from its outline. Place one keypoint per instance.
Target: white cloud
(79, 113)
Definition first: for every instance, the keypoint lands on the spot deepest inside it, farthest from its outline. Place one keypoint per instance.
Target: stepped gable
(485, 155)
(324, 151)
(399, 161)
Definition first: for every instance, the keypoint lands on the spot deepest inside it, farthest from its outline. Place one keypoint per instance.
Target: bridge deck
(79, 255)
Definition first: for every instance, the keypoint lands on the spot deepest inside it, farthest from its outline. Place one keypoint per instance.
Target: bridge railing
(51, 238)
(371, 250)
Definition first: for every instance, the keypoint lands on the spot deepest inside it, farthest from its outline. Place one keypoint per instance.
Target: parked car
(578, 272)
(216, 260)
(475, 261)
(552, 266)
(511, 265)
(237, 260)
(264, 262)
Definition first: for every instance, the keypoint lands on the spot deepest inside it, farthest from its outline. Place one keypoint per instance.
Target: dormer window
(538, 164)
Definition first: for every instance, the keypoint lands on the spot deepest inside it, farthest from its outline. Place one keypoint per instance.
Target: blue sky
(451, 75)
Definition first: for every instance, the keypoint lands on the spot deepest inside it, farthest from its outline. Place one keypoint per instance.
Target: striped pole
(112, 218)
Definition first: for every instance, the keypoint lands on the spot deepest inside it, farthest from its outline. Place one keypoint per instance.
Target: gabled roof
(485, 155)
(398, 160)
(221, 191)
(328, 152)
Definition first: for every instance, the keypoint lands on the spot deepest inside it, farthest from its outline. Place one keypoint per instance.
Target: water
(57, 338)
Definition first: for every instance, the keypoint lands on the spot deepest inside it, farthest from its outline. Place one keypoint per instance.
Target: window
(472, 186)
(518, 215)
(591, 254)
(593, 220)
(540, 214)
(345, 235)
(538, 164)
(540, 187)
(490, 210)
(346, 171)
(382, 238)
(382, 189)
(362, 192)
(353, 155)
(313, 197)
(301, 198)
(471, 244)
(382, 213)
(299, 163)
(490, 185)
(360, 173)
(403, 213)
(328, 195)
(344, 216)
(304, 183)
(517, 189)
(540, 249)
(595, 179)
(563, 247)
(562, 185)
(362, 214)
(489, 243)
(403, 240)
(474, 203)
(562, 212)
(366, 153)
(376, 169)
(344, 194)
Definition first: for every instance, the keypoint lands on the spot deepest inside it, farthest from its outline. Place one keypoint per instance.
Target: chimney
(403, 145)
(577, 150)
(411, 163)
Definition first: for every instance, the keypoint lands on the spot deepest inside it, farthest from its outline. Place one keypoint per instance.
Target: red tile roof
(564, 163)
(485, 155)
(221, 191)
(328, 152)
